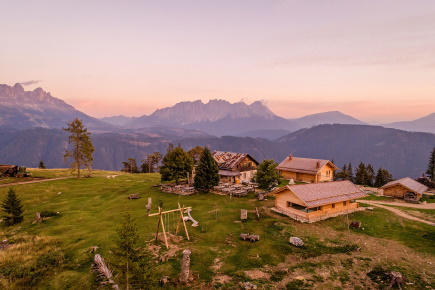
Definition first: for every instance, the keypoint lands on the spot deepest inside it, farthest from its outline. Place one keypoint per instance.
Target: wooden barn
(307, 169)
(317, 201)
(235, 167)
(405, 188)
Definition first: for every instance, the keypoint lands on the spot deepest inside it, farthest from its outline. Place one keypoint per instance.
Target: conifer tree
(350, 172)
(370, 175)
(132, 265)
(267, 176)
(343, 174)
(360, 175)
(82, 150)
(11, 205)
(431, 165)
(41, 165)
(177, 164)
(382, 177)
(207, 172)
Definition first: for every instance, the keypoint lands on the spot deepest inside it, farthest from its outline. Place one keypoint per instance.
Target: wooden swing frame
(161, 213)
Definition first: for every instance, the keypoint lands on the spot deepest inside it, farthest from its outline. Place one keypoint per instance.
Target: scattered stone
(93, 249)
(164, 280)
(254, 238)
(243, 214)
(369, 208)
(185, 266)
(295, 241)
(396, 279)
(247, 285)
(244, 236)
(59, 192)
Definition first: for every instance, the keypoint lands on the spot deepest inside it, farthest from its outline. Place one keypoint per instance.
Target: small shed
(405, 188)
(317, 201)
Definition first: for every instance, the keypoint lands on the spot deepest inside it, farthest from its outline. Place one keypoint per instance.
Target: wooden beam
(168, 211)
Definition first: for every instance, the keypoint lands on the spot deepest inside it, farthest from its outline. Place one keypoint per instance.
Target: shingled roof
(229, 160)
(304, 165)
(318, 194)
(409, 183)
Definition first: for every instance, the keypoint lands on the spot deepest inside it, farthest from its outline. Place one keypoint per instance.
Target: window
(289, 204)
(333, 205)
(344, 203)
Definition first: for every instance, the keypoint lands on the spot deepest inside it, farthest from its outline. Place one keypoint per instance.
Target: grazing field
(55, 254)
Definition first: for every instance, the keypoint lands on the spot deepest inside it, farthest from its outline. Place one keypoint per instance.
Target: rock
(296, 241)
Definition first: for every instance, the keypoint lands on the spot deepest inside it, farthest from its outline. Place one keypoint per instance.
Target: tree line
(364, 175)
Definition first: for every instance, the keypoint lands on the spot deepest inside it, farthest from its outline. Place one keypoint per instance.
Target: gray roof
(409, 183)
(230, 160)
(317, 194)
(303, 165)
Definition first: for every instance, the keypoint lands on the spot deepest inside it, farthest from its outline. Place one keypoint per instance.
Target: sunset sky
(372, 59)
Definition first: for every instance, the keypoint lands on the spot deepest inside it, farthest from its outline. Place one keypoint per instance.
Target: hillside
(333, 117)
(425, 124)
(55, 254)
(401, 153)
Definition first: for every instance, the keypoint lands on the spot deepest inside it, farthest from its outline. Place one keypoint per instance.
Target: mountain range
(30, 123)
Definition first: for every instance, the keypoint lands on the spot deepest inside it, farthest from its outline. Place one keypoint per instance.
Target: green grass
(375, 197)
(90, 210)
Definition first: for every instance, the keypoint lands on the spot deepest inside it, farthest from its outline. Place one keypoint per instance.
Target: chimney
(290, 157)
(318, 164)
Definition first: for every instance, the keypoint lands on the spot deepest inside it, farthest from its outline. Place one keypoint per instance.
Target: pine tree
(267, 176)
(370, 175)
(360, 175)
(382, 177)
(177, 164)
(343, 174)
(207, 172)
(350, 172)
(431, 165)
(132, 265)
(82, 150)
(11, 205)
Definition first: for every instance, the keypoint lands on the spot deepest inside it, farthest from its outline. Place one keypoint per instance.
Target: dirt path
(398, 203)
(397, 211)
(33, 181)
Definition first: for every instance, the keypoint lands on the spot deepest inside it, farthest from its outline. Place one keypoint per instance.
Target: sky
(371, 59)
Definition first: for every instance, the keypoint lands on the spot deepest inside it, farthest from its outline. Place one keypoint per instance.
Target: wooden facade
(306, 169)
(314, 202)
(405, 188)
(235, 167)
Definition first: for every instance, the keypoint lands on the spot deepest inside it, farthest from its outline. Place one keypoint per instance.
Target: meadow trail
(34, 181)
(398, 211)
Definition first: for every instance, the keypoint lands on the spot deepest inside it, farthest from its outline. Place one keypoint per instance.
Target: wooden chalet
(307, 169)
(235, 167)
(317, 201)
(405, 188)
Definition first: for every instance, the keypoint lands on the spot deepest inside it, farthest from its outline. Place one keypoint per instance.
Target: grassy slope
(89, 216)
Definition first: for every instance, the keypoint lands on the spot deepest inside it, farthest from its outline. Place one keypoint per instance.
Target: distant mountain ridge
(217, 117)
(401, 153)
(28, 109)
(425, 124)
(331, 117)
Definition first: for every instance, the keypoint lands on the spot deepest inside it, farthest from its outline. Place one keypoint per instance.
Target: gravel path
(402, 204)
(397, 211)
(33, 181)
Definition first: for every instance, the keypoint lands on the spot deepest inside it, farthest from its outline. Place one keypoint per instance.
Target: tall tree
(130, 166)
(360, 174)
(177, 164)
(82, 150)
(267, 176)
(431, 165)
(132, 265)
(207, 172)
(11, 205)
(343, 174)
(350, 172)
(370, 175)
(151, 162)
(382, 177)
(196, 154)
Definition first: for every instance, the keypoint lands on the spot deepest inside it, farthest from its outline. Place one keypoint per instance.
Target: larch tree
(207, 172)
(11, 205)
(431, 165)
(82, 148)
(267, 176)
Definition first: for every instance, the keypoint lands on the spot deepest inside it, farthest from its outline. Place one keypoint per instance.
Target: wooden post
(184, 223)
(158, 225)
(243, 214)
(164, 231)
(258, 214)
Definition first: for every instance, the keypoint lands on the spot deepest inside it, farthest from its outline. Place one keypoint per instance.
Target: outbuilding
(307, 169)
(406, 188)
(317, 201)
